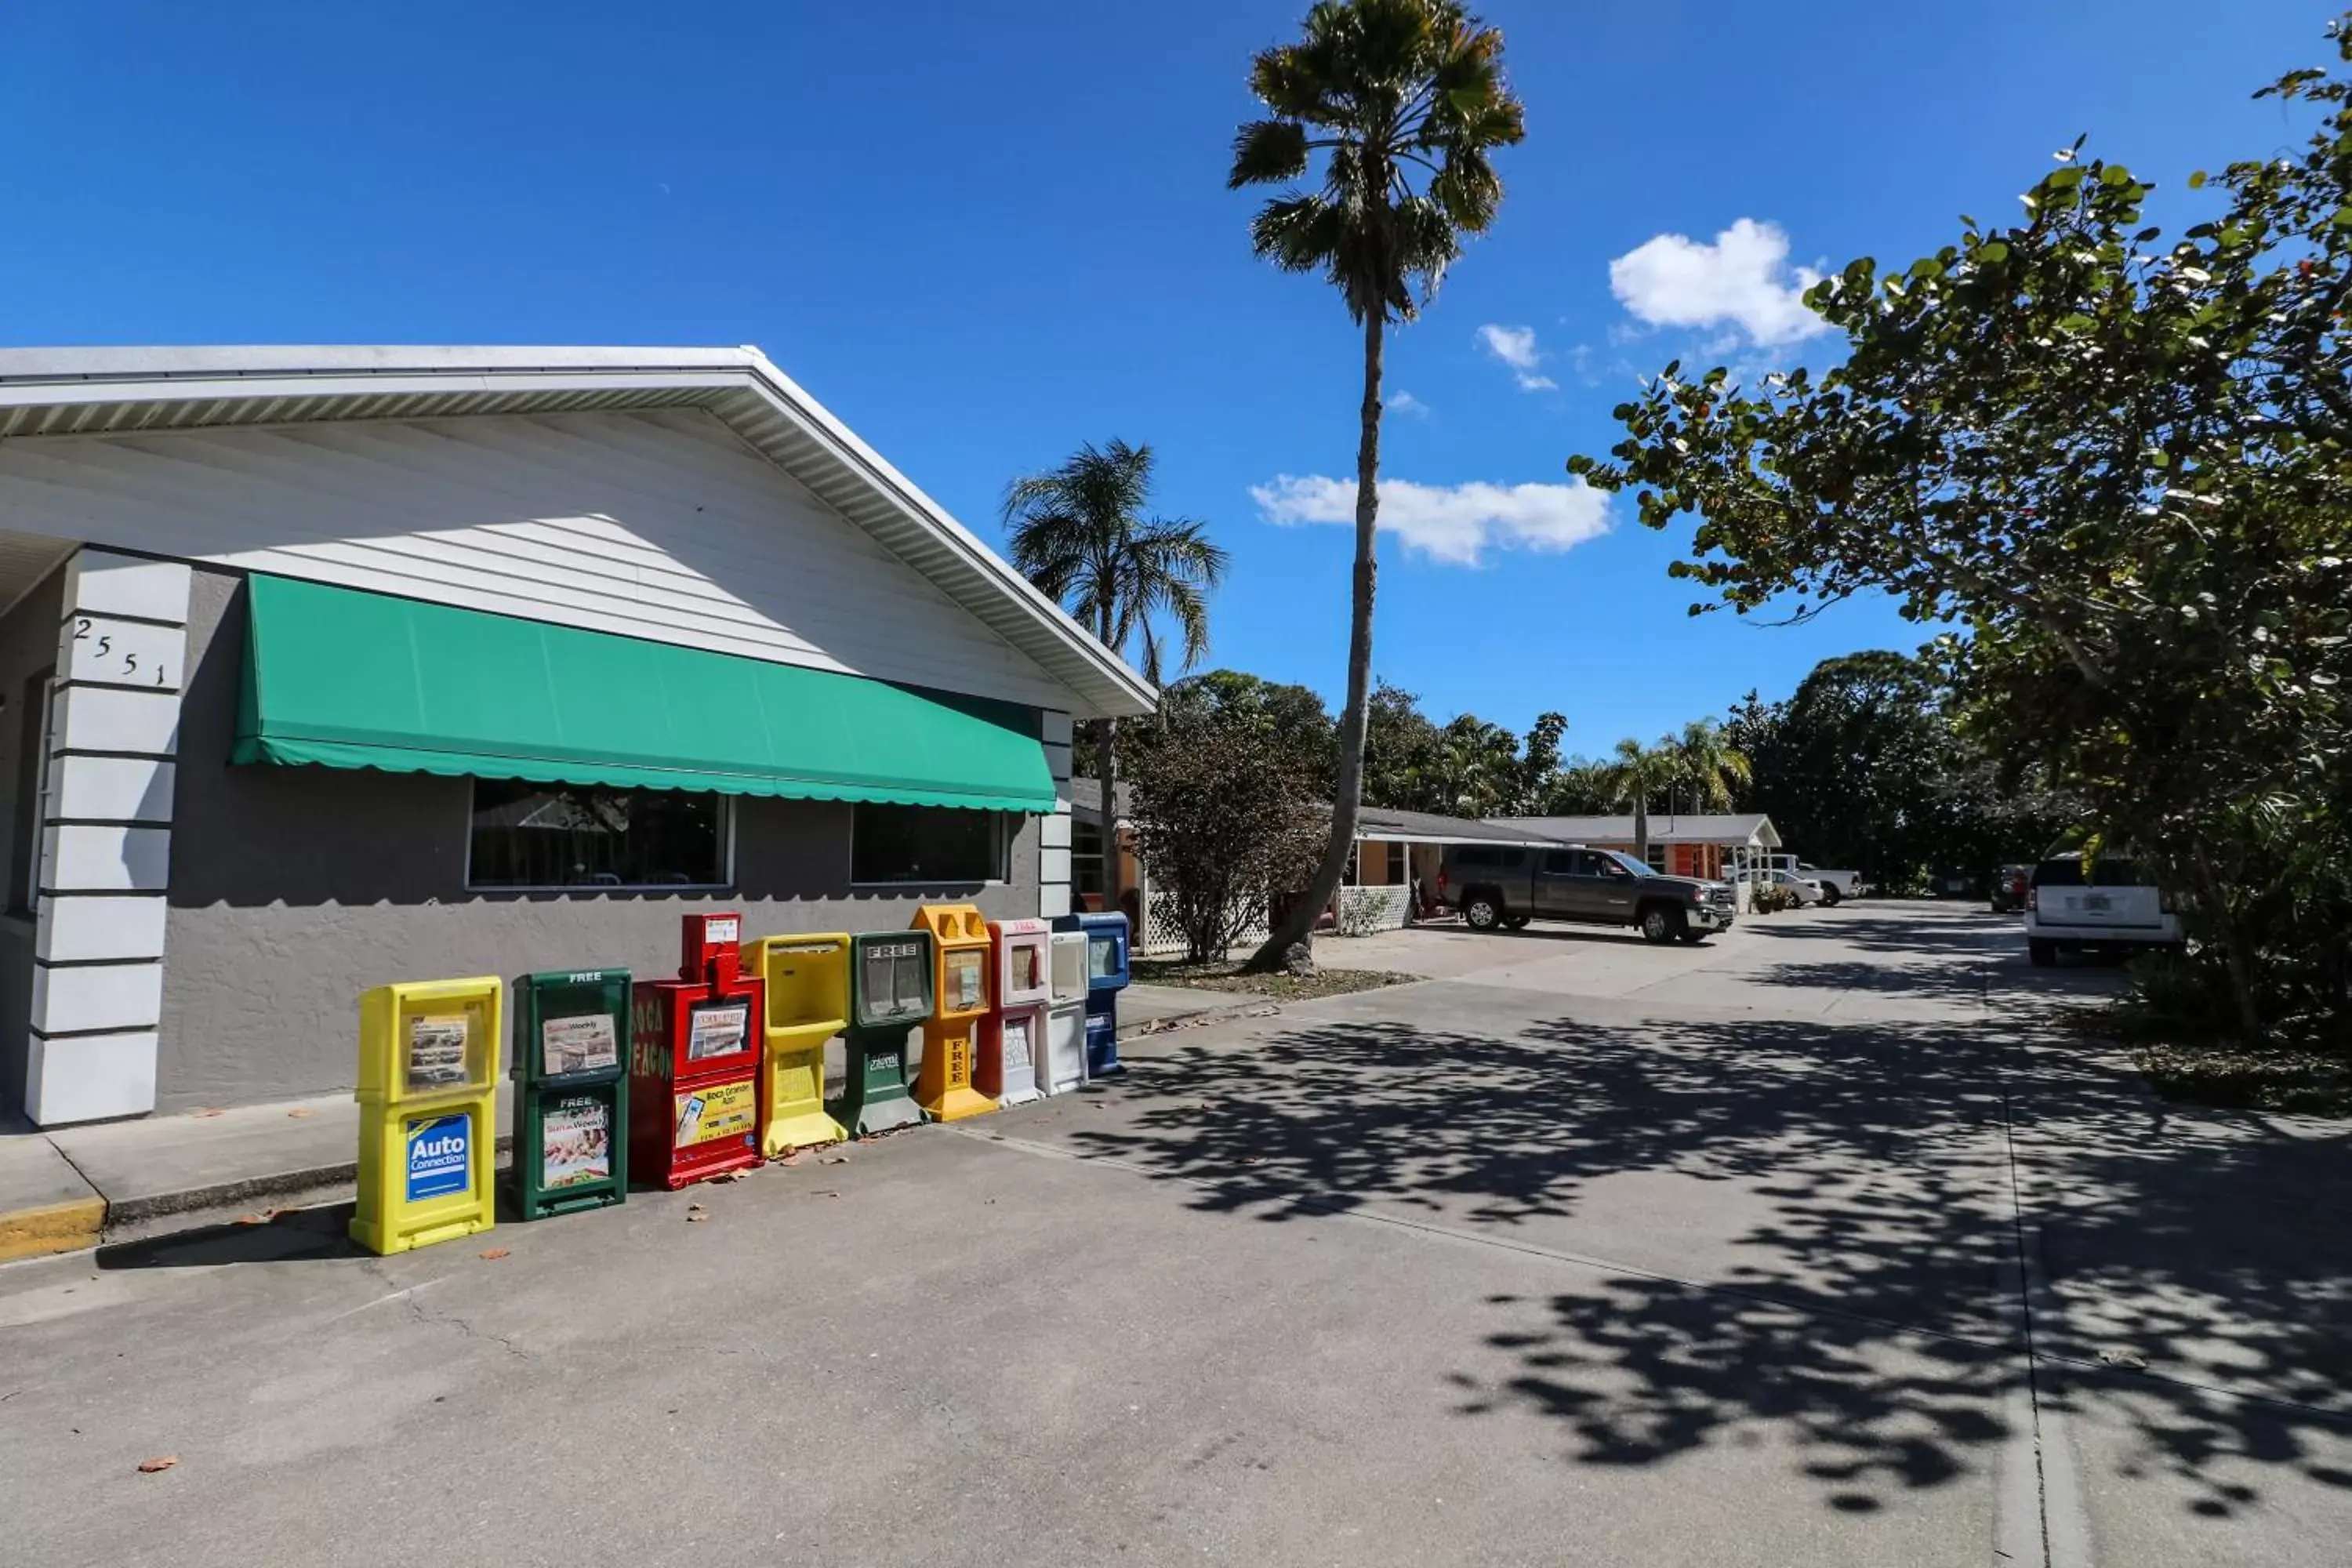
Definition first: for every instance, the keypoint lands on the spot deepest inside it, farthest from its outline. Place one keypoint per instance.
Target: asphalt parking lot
(1928, 962)
(1816, 1244)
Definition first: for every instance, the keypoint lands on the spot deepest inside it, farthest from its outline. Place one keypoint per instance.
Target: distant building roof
(1428, 828)
(1371, 822)
(1665, 827)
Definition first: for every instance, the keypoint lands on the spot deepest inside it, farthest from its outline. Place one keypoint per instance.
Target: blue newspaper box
(1106, 942)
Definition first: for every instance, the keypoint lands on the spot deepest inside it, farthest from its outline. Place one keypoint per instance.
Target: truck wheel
(1661, 924)
(1830, 895)
(2042, 953)
(1481, 912)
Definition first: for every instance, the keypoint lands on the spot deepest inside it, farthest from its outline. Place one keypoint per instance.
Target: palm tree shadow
(1855, 1280)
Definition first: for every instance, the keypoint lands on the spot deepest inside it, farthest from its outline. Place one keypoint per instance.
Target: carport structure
(1397, 853)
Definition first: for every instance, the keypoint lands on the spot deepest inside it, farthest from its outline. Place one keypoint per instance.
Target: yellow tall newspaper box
(808, 1004)
(960, 999)
(428, 1112)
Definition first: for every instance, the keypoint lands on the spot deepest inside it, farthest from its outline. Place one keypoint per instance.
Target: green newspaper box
(889, 992)
(572, 1107)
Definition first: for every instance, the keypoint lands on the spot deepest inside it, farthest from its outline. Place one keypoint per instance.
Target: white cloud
(1451, 523)
(1516, 347)
(1404, 402)
(1743, 279)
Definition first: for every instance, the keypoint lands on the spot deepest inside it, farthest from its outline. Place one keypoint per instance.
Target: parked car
(1807, 891)
(2009, 888)
(1836, 886)
(1507, 885)
(2111, 907)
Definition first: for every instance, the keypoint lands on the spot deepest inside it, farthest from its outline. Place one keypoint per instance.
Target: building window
(32, 792)
(1087, 879)
(554, 836)
(927, 846)
(1656, 857)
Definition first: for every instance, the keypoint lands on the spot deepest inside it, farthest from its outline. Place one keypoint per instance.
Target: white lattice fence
(1363, 911)
(1162, 937)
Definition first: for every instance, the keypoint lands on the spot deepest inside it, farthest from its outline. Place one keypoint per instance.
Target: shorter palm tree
(1708, 764)
(1634, 776)
(1080, 534)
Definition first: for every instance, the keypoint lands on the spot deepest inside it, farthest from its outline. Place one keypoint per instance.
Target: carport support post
(105, 809)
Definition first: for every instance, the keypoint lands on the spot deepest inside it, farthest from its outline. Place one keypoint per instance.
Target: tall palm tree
(1405, 99)
(1633, 776)
(1708, 764)
(1080, 534)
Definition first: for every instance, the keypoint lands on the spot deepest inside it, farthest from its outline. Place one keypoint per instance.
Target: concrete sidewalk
(71, 1188)
(75, 1186)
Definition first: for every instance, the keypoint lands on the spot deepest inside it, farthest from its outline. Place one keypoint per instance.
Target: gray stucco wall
(294, 890)
(28, 645)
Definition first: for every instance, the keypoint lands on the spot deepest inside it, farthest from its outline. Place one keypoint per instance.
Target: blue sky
(983, 231)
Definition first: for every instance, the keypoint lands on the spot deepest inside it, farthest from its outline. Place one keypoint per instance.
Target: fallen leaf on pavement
(495, 1253)
(205, 1110)
(697, 1218)
(732, 1176)
(835, 1160)
(825, 1195)
(790, 1160)
(302, 1111)
(164, 1462)
(2122, 1358)
(261, 1218)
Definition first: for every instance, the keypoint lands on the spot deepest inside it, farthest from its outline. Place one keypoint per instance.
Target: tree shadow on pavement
(1809, 1225)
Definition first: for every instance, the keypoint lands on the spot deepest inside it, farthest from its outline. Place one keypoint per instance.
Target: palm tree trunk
(1107, 770)
(1347, 797)
(1641, 829)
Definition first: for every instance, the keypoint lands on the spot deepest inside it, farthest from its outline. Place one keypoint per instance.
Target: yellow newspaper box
(808, 1004)
(960, 999)
(428, 1112)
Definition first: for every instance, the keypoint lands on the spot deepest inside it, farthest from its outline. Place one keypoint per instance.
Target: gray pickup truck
(1507, 885)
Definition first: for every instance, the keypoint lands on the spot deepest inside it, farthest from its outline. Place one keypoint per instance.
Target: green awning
(350, 679)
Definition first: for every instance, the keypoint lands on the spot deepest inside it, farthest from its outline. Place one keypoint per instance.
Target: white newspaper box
(1013, 1036)
(1063, 1066)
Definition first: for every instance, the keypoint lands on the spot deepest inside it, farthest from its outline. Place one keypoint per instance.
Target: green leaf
(1993, 252)
(2197, 180)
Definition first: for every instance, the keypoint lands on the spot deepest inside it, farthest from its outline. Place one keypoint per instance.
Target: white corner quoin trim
(105, 810)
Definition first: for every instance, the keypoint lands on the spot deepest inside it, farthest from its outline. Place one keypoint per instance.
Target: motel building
(323, 668)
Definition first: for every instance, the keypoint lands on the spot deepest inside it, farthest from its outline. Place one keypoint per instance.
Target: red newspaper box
(695, 1083)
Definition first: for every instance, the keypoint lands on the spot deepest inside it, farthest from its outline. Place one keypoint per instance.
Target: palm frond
(1299, 234)
(1268, 152)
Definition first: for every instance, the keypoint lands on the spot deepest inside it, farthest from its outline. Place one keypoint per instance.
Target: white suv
(2113, 907)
